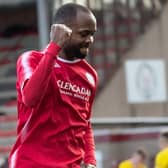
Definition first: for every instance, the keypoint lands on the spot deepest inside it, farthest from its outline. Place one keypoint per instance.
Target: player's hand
(89, 166)
(60, 34)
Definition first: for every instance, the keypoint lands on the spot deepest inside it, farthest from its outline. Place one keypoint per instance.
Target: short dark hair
(67, 13)
(164, 134)
(142, 153)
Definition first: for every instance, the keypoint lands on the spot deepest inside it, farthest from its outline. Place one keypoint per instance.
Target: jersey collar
(68, 61)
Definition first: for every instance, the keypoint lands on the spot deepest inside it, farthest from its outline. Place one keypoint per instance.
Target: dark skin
(82, 36)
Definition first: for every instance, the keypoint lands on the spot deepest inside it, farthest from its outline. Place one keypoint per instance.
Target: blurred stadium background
(130, 54)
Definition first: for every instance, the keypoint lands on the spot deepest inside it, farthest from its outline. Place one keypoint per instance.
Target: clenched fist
(60, 34)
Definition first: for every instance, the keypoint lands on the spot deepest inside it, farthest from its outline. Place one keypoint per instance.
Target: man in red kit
(56, 88)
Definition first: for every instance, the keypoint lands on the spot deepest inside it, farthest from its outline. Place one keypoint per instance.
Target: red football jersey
(54, 130)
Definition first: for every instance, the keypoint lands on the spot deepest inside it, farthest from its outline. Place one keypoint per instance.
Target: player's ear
(52, 27)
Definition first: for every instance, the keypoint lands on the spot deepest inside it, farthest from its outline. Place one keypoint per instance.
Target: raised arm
(34, 86)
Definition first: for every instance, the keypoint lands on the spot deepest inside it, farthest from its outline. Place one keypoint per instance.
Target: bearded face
(80, 50)
(83, 30)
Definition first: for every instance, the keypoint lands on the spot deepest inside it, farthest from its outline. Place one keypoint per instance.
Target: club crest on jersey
(90, 78)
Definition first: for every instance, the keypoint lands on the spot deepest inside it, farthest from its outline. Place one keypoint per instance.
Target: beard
(76, 51)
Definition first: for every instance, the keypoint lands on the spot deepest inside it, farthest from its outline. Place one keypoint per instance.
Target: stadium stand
(13, 44)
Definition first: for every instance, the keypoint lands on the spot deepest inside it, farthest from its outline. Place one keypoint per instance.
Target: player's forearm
(89, 147)
(36, 85)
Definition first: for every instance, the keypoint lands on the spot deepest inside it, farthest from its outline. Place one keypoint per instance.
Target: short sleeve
(161, 161)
